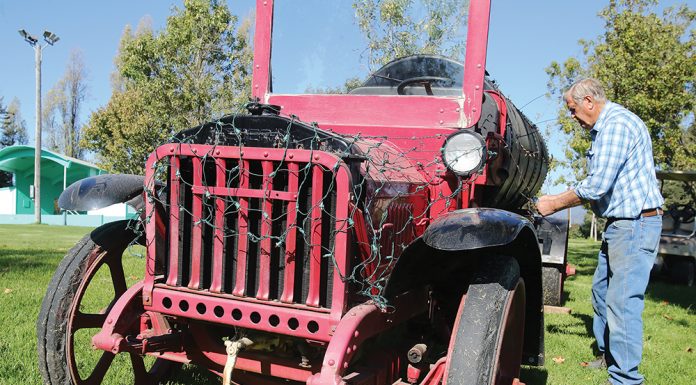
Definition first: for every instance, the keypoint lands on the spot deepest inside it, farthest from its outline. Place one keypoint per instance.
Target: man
(620, 186)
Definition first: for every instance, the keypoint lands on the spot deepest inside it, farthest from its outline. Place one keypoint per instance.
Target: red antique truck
(376, 235)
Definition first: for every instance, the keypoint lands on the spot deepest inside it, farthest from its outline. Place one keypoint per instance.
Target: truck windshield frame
(350, 110)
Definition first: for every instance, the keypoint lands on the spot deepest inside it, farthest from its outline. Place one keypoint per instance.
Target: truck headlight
(464, 152)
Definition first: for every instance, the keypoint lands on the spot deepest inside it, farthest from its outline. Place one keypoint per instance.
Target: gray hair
(586, 87)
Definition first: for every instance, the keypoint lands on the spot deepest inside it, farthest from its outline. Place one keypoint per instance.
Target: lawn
(29, 254)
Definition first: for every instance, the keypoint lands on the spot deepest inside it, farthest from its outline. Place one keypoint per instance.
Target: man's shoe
(599, 363)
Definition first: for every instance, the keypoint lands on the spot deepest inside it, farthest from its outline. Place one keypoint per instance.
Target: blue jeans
(628, 251)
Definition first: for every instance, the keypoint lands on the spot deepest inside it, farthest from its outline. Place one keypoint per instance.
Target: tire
(552, 285)
(682, 271)
(62, 312)
(486, 342)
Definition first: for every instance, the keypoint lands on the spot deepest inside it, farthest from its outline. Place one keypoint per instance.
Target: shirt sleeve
(609, 153)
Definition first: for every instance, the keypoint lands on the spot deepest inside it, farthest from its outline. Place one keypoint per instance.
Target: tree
(647, 63)
(14, 131)
(196, 69)
(63, 105)
(397, 28)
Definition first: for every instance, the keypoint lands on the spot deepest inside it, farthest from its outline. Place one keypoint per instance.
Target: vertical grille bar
(219, 241)
(196, 236)
(315, 237)
(173, 273)
(243, 225)
(291, 235)
(266, 225)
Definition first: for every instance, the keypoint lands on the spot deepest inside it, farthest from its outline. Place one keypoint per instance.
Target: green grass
(669, 349)
(29, 255)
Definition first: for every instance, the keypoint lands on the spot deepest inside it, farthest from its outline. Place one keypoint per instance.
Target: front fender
(449, 246)
(475, 228)
(101, 191)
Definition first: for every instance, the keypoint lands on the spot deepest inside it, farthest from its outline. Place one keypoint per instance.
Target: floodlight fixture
(50, 37)
(31, 39)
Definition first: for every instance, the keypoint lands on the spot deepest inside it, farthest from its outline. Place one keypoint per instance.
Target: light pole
(50, 38)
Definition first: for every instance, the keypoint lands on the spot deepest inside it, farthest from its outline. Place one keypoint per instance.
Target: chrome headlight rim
(482, 149)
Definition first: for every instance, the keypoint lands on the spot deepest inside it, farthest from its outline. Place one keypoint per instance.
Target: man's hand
(546, 205)
(549, 204)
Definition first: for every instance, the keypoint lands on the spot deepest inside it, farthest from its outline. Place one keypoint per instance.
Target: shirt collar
(602, 116)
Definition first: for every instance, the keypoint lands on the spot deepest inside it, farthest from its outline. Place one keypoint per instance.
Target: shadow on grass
(678, 295)
(194, 375)
(28, 259)
(532, 375)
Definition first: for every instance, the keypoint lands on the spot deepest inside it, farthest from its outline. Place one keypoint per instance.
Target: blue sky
(525, 36)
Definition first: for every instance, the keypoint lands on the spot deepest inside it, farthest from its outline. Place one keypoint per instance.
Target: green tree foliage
(397, 28)
(647, 63)
(196, 69)
(13, 130)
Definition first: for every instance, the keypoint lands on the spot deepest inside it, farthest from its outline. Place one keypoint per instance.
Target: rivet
(265, 154)
(473, 109)
(109, 321)
(241, 153)
(194, 150)
(478, 65)
(294, 196)
(442, 110)
(257, 66)
(442, 122)
(457, 109)
(331, 362)
(349, 350)
(478, 87)
(256, 86)
(171, 149)
(356, 334)
(316, 157)
(345, 365)
(290, 156)
(217, 152)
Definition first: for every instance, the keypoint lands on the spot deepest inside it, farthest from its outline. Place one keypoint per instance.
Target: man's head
(585, 100)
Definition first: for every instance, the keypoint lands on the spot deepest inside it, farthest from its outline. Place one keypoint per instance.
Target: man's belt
(651, 212)
(643, 214)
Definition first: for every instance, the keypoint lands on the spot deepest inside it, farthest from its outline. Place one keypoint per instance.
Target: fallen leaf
(559, 360)
(664, 303)
(7, 291)
(665, 316)
(584, 364)
(689, 349)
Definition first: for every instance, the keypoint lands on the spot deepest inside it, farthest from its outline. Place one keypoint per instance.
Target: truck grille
(263, 223)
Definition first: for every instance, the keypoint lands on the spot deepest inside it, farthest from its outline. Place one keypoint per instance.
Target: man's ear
(590, 102)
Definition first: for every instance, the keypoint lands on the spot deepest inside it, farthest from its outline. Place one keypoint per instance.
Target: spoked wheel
(85, 286)
(486, 343)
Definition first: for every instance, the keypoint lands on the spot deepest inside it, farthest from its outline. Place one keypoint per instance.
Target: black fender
(103, 190)
(475, 228)
(457, 240)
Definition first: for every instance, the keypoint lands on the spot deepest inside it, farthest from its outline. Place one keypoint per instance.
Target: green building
(57, 172)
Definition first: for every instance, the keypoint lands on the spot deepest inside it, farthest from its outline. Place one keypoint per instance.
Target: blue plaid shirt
(621, 178)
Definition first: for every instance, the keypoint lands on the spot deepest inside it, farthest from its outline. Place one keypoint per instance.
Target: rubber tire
(552, 285)
(682, 271)
(476, 344)
(52, 323)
